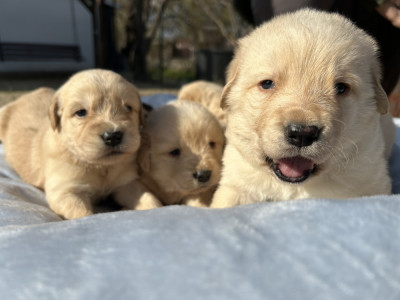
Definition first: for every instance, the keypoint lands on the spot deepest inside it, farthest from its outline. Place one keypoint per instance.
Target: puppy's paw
(77, 213)
(136, 196)
(70, 206)
(147, 201)
(195, 203)
(225, 197)
(201, 200)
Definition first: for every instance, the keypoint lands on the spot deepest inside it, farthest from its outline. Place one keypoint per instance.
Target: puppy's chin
(114, 157)
(292, 169)
(108, 160)
(185, 186)
(192, 191)
(200, 188)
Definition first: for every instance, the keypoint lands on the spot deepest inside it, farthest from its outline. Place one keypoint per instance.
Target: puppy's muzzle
(296, 169)
(301, 135)
(202, 175)
(113, 138)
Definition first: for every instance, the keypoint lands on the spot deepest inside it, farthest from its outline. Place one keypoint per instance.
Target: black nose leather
(202, 175)
(112, 138)
(301, 135)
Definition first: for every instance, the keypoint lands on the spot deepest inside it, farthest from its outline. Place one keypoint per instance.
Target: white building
(45, 35)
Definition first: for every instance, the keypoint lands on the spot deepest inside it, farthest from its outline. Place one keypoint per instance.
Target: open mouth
(292, 169)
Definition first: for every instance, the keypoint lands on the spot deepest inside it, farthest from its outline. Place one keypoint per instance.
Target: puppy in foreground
(206, 93)
(78, 143)
(180, 160)
(307, 116)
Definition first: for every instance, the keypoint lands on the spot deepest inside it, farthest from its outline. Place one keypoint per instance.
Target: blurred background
(164, 41)
(157, 44)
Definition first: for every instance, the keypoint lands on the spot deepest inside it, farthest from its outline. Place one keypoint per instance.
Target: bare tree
(203, 23)
(138, 23)
(206, 20)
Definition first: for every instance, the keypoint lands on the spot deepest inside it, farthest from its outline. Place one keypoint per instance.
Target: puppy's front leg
(225, 196)
(135, 196)
(201, 200)
(69, 205)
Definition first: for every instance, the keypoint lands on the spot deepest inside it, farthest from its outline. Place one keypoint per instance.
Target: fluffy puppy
(307, 116)
(79, 143)
(180, 160)
(206, 93)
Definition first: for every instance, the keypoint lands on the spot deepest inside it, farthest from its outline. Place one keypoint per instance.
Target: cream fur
(206, 93)
(305, 54)
(53, 148)
(188, 127)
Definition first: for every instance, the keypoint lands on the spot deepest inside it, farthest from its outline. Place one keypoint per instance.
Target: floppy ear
(54, 113)
(382, 101)
(143, 156)
(141, 115)
(141, 110)
(231, 74)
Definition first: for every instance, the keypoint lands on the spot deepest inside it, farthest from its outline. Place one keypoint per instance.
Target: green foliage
(173, 75)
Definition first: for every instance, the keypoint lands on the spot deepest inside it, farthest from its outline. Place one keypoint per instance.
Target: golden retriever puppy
(180, 160)
(79, 143)
(307, 116)
(206, 93)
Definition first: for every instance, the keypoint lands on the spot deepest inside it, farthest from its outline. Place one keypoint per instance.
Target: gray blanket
(307, 249)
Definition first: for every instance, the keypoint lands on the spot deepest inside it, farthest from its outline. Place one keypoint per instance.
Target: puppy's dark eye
(267, 84)
(212, 144)
(341, 88)
(81, 113)
(128, 108)
(175, 152)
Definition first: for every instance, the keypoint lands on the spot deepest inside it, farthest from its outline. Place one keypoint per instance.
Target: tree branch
(217, 20)
(151, 32)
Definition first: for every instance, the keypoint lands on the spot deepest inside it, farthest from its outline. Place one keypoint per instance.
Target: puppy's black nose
(112, 138)
(202, 175)
(301, 135)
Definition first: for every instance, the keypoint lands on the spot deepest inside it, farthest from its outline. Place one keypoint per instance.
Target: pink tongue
(294, 167)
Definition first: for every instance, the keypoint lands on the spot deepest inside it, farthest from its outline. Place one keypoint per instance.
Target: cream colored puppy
(307, 116)
(180, 160)
(79, 143)
(206, 93)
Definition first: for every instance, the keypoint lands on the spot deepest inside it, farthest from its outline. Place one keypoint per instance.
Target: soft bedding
(305, 249)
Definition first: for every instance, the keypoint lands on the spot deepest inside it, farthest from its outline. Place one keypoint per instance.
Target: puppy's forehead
(99, 88)
(303, 39)
(183, 122)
